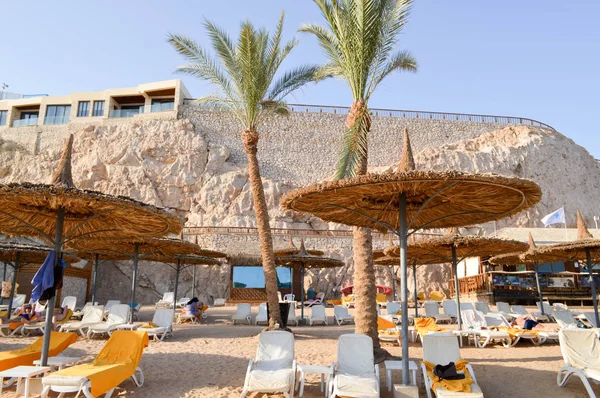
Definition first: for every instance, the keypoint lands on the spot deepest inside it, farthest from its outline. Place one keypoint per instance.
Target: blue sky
(536, 58)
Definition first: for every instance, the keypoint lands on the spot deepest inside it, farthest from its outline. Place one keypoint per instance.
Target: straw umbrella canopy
(145, 249)
(20, 254)
(454, 248)
(58, 212)
(516, 259)
(585, 247)
(413, 200)
(303, 259)
(293, 250)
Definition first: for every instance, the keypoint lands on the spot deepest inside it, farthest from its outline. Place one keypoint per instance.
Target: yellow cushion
(149, 325)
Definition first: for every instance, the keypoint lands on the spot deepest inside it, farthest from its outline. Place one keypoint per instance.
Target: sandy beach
(210, 360)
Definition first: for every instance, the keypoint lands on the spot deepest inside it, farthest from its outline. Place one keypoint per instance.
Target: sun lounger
(317, 315)
(292, 317)
(581, 351)
(26, 355)
(69, 301)
(475, 323)
(117, 361)
(118, 315)
(547, 309)
(39, 326)
(564, 307)
(483, 307)
(109, 305)
(78, 314)
(440, 349)
(432, 310)
(467, 306)
(183, 302)
(91, 314)
(381, 300)
(564, 319)
(516, 334)
(450, 309)
(519, 310)
(243, 313)
(504, 309)
(163, 319)
(274, 367)
(394, 310)
(341, 314)
(355, 373)
(219, 302)
(425, 326)
(317, 301)
(262, 316)
(591, 318)
(387, 330)
(167, 300)
(349, 301)
(17, 302)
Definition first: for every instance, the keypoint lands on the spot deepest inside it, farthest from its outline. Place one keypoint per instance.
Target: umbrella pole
(393, 285)
(134, 279)
(95, 278)
(176, 283)
(539, 289)
(302, 293)
(60, 219)
(403, 236)
(14, 283)
(4, 273)
(193, 281)
(455, 271)
(416, 290)
(292, 283)
(592, 284)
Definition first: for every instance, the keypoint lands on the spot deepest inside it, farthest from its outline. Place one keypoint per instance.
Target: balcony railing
(57, 119)
(25, 122)
(479, 283)
(116, 113)
(165, 106)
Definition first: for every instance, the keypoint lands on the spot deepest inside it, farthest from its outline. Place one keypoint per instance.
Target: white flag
(556, 217)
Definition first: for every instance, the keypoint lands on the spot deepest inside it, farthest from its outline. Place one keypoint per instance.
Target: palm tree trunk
(365, 287)
(250, 138)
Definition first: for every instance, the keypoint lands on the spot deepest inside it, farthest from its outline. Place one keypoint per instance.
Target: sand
(210, 360)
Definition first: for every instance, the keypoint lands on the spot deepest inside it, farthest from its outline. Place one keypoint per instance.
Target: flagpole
(565, 218)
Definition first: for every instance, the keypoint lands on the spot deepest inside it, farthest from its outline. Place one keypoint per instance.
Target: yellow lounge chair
(381, 299)
(437, 296)
(26, 355)
(118, 360)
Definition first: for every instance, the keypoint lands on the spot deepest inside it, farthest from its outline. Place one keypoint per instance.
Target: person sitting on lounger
(194, 307)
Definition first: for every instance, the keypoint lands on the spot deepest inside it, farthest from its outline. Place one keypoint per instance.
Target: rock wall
(196, 164)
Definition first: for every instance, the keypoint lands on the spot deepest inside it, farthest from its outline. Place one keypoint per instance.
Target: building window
(160, 105)
(3, 118)
(57, 114)
(84, 109)
(98, 108)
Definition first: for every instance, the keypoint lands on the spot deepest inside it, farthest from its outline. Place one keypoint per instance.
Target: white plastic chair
(317, 314)
(292, 317)
(118, 315)
(69, 301)
(163, 317)
(450, 309)
(432, 310)
(243, 313)
(475, 321)
(262, 316)
(341, 314)
(168, 300)
(274, 367)
(441, 349)
(581, 351)
(355, 373)
(92, 314)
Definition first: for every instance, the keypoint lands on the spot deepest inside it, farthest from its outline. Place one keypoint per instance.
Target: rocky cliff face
(178, 164)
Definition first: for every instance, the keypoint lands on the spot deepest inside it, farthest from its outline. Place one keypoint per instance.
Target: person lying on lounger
(527, 322)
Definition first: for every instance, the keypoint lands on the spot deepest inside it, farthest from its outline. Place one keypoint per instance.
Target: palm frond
(292, 80)
(401, 61)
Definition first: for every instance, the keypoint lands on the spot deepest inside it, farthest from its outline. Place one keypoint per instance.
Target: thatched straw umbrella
(293, 250)
(59, 212)
(145, 249)
(515, 259)
(20, 254)
(304, 259)
(412, 200)
(585, 247)
(454, 248)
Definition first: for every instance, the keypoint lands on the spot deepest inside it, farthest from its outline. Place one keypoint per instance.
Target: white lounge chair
(392, 310)
(581, 351)
(467, 306)
(109, 305)
(289, 297)
(564, 319)
(163, 317)
(262, 316)
(519, 310)
(317, 301)
(432, 310)
(274, 367)
(168, 300)
(504, 309)
(243, 313)
(484, 307)
(317, 314)
(183, 302)
(69, 301)
(441, 349)
(355, 373)
(475, 322)
(547, 309)
(92, 314)
(219, 302)
(591, 318)
(292, 317)
(118, 315)
(341, 314)
(450, 309)
(17, 302)
(500, 320)
(564, 307)
(77, 314)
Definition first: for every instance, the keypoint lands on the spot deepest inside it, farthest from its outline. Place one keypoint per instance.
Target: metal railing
(25, 122)
(474, 284)
(427, 115)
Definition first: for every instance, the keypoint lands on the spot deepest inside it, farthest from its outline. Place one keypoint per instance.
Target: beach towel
(426, 325)
(114, 364)
(383, 325)
(26, 355)
(462, 385)
(514, 332)
(14, 323)
(43, 278)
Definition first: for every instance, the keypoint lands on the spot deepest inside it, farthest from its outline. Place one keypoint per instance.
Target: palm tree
(244, 75)
(358, 39)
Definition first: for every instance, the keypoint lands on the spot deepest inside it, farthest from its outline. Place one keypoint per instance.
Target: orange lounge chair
(26, 355)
